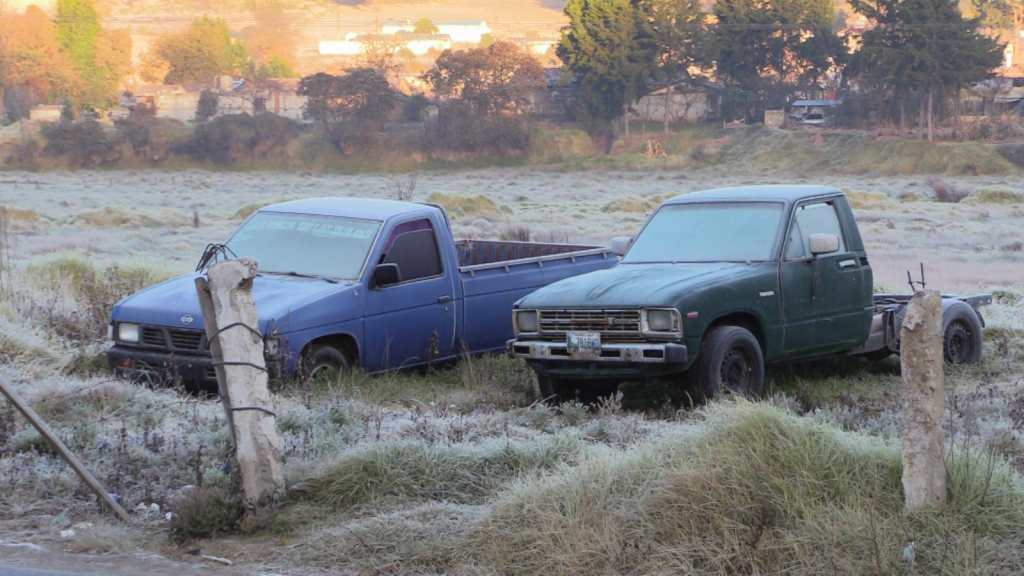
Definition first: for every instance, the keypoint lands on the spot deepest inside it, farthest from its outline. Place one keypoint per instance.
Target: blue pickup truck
(348, 282)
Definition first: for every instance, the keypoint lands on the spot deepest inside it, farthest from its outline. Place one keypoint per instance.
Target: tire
(324, 362)
(730, 361)
(961, 334)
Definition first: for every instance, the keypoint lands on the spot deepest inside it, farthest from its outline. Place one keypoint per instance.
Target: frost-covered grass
(458, 469)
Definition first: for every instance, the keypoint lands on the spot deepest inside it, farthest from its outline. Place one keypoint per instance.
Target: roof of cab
(365, 208)
(787, 193)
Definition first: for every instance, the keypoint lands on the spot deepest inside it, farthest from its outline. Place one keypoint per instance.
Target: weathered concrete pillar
(921, 360)
(229, 314)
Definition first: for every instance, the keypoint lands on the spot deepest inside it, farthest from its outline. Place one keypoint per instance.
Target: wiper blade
(302, 275)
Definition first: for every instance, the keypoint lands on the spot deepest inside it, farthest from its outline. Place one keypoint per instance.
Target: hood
(175, 303)
(633, 285)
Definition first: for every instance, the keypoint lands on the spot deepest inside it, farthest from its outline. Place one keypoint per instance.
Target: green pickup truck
(718, 284)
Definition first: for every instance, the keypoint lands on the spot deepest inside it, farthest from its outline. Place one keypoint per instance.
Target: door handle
(444, 299)
(847, 263)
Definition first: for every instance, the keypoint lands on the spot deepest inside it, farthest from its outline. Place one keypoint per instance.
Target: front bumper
(631, 353)
(163, 368)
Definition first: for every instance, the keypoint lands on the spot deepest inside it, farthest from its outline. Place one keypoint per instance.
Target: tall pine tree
(924, 48)
(767, 49)
(608, 49)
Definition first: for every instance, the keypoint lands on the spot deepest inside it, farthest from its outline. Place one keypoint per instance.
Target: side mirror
(386, 275)
(824, 244)
(621, 244)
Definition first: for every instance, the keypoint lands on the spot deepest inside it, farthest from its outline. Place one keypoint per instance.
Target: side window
(818, 218)
(795, 245)
(413, 247)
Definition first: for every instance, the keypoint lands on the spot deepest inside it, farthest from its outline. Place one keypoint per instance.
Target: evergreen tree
(609, 50)
(764, 50)
(924, 47)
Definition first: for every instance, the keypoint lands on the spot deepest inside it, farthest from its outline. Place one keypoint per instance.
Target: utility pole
(921, 361)
(236, 345)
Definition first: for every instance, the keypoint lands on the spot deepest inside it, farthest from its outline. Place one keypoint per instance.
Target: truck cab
(716, 285)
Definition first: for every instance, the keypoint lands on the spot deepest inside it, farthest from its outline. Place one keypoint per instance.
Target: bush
(459, 129)
(946, 192)
(150, 138)
(85, 144)
(241, 138)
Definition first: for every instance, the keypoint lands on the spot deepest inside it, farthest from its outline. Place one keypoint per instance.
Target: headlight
(526, 321)
(663, 321)
(128, 332)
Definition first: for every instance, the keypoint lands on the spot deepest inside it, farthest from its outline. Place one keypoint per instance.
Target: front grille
(153, 337)
(613, 325)
(173, 339)
(186, 339)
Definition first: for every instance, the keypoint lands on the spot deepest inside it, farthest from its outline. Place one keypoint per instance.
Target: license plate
(583, 344)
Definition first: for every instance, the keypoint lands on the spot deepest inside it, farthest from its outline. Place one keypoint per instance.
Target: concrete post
(236, 346)
(924, 470)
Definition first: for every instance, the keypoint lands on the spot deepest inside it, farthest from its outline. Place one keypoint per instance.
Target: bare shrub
(1017, 246)
(93, 293)
(947, 192)
(405, 190)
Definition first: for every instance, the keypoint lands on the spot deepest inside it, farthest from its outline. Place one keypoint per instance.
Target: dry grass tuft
(861, 200)
(413, 471)
(461, 206)
(753, 490)
(205, 513)
(118, 218)
(633, 205)
(995, 196)
(248, 210)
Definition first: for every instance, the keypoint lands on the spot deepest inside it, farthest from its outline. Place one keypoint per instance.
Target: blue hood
(280, 300)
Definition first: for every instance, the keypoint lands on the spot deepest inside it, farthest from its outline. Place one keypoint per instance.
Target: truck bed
(497, 273)
(482, 253)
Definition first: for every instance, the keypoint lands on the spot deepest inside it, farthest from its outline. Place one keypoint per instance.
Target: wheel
(961, 334)
(553, 390)
(324, 363)
(730, 361)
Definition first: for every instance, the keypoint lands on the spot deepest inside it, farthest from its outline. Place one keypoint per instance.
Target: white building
(358, 44)
(464, 32)
(353, 47)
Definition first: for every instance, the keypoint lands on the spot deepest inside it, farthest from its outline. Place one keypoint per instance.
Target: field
(461, 470)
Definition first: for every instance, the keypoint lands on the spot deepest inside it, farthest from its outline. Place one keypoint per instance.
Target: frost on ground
(461, 470)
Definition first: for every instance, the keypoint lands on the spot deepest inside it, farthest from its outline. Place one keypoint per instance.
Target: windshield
(328, 246)
(726, 232)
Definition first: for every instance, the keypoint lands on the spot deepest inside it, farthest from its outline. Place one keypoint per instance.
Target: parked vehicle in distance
(718, 284)
(345, 282)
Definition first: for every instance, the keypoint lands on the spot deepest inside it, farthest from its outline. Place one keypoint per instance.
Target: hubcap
(735, 371)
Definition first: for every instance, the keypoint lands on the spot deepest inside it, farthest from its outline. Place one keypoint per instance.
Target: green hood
(636, 285)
